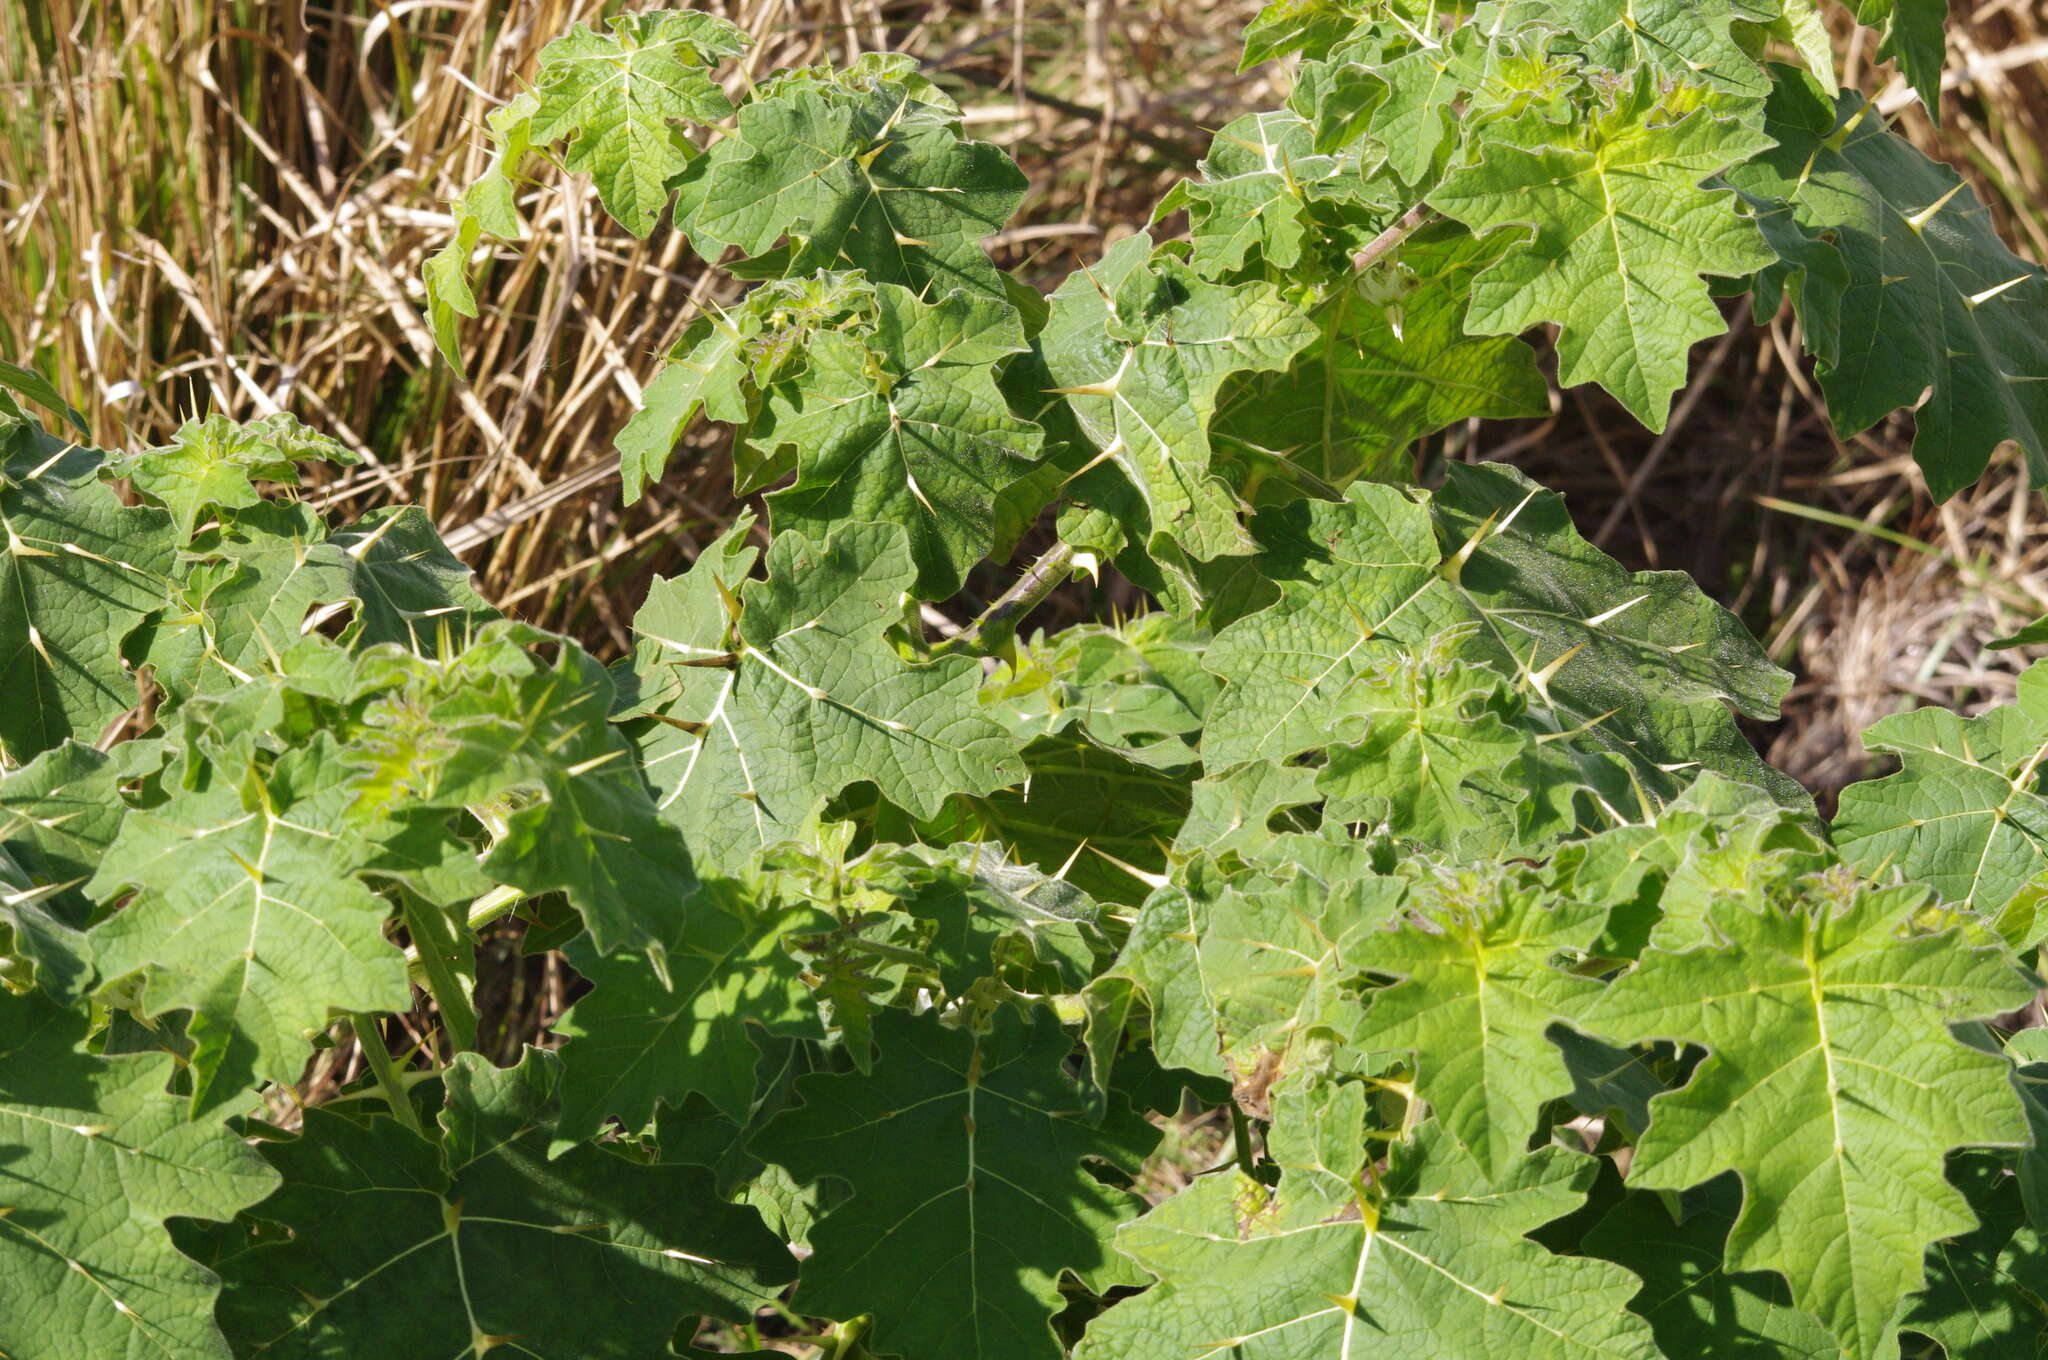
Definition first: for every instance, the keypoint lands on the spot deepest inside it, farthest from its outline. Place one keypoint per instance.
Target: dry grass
(217, 206)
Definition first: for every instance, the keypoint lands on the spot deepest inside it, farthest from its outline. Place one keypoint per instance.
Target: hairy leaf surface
(771, 696)
(638, 1040)
(1966, 813)
(612, 97)
(1832, 1084)
(863, 178)
(249, 914)
(1615, 232)
(1435, 1260)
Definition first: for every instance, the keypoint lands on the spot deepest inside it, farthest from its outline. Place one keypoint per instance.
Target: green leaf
(1478, 992)
(613, 97)
(1289, 668)
(868, 179)
(38, 389)
(1930, 302)
(986, 912)
(1696, 1305)
(1278, 963)
(58, 815)
(1914, 36)
(1433, 1256)
(2033, 635)
(1639, 667)
(635, 1042)
(770, 697)
(1685, 40)
(1428, 89)
(78, 572)
(1832, 1083)
(724, 363)
(485, 206)
(1141, 345)
(494, 728)
(1977, 1304)
(1252, 975)
(1432, 759)
(409, 588)
(1258, 181)
(215, 463)
(1966, 813)
(904, 426)
(1137, 690)
(1718, 841)
(1246, 808)
(973, 1147)
(1310, 27)
(403, 1246)
(1094, 817)
(249, 914)
(98, 1156)
(1384, 373)
(1614, 234)
(234, 618)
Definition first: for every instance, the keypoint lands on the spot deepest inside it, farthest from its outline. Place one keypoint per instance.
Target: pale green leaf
(249, 914)
(1478, 992)
(531, 744)
(1639, 667)
(867, 179)
(1141, 345)
(1432, 761)
(1833, 1084)
(1386, 371)
(769, 697)
(1254, 195)
(1967, 813)
(904, 425)
(725, 361)
(1613, 232)
(215, 463)
(1431, 1261)
(486, 206)
(614, 96)
(1682, 40)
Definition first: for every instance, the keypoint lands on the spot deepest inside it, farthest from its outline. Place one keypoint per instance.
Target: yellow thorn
(1926, 214)
(1977, 299)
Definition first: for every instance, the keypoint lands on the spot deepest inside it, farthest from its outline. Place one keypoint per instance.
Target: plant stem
(848, 1335)
(493, 904)
(1379, 246)
(1039, 580)
(370, 1039)
(438, 954)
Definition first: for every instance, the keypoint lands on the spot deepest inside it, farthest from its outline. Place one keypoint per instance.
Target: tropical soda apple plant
(1404, 826)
